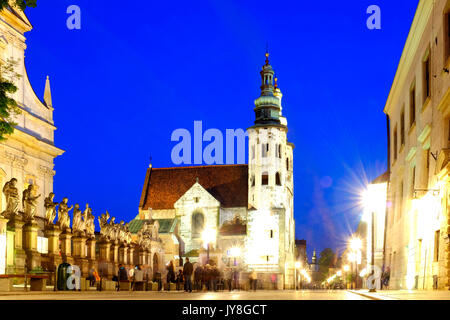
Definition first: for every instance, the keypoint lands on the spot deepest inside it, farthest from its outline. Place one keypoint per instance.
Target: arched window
(253, 181)
(287, 164)
(265, 179)
(277, 179)
(198, 223)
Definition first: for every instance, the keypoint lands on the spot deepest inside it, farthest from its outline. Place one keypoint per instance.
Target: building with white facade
(417, 248)
(28, 153)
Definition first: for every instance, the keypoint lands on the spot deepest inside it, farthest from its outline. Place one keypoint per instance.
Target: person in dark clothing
(198, 278)
(122, 275)
(187, 271)
(179, 279)
(170, 274)
(207, 277)
(214, 277)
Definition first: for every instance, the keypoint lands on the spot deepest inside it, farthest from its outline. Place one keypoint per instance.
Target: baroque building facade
(417, 248)
(247, 207)
(28, 153)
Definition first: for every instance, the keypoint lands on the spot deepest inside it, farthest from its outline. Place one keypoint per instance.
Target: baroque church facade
(28, 153)
(249, 208)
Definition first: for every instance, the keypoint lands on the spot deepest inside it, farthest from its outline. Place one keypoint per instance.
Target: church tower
(270, 188)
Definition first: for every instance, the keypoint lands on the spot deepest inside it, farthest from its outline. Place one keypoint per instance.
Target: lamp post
(372, 289)
(208, 236)
(235, 252)
(356, 245)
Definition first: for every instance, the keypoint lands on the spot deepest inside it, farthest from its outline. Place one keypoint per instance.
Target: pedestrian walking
(187, 271)
(179, 279)
(170, 274)
(198, 278)
(228, 275)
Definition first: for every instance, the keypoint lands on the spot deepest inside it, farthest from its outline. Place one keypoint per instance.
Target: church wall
(227, 214)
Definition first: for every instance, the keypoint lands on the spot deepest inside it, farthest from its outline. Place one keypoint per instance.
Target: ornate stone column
(52, 233)
(79, 254)
(104, 264)
(91, 255)
(30, 233)
(131, 254)
(123, 254)
(143, 256)
(3, 244)
(66, 247)
(16, 225)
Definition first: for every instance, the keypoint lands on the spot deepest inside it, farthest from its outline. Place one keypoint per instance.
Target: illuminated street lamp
(235, 252)
(208, 236)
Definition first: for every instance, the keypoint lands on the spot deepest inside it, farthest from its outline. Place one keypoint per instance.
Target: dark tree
(22, 4)
(326, 260)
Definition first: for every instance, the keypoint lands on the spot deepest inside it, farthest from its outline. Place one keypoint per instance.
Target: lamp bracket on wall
(436, 192)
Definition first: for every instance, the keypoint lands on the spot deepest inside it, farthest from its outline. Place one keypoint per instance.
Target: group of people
(208, 277)
(136, 276)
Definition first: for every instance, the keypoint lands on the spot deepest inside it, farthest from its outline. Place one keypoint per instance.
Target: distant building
(300, 253)
(245, 206)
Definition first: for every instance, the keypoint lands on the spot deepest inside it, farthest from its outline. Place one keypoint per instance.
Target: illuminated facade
(418, 200)
(249, 207)
(28, 153)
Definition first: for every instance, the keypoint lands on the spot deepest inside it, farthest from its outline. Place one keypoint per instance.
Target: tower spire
(48, 94)
(268, 105)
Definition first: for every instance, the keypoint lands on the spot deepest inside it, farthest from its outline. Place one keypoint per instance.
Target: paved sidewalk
(404, 294)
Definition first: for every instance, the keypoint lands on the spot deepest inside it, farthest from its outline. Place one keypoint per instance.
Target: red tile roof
(164, 186)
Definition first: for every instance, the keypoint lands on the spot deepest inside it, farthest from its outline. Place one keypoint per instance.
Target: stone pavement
(404, 294)
(164, 295)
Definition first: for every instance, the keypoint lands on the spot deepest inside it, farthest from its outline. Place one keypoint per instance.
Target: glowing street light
(339, 273)
(235, 252)
(346, 268)
(355, 244)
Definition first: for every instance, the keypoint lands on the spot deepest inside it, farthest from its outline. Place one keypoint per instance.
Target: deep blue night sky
(133, 74)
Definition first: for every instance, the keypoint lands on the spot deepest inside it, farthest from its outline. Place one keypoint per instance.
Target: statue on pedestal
(77, 221)
(89, 221)
(29, 202)
(63, 215)
(121, 231)
(50, 209)
(104, 226)
(12, 198)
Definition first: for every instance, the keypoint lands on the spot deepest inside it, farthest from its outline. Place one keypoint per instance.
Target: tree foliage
(22, 4)
(327, 258)
(8, 106)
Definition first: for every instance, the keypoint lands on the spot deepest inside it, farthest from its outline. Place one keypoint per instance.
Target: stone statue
(113, 231)
(121, 231)
(89, 221)
(103, 222)
(77, 221)
(29, 202)
(50, 209)
(12, 198)
(63, 215)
